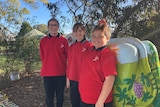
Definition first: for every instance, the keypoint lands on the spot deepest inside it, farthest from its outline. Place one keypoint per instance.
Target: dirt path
(29, 92)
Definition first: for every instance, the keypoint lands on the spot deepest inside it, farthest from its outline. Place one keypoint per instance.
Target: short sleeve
(108, 62)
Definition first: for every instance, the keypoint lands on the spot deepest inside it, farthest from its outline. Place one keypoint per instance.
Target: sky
(42, 15)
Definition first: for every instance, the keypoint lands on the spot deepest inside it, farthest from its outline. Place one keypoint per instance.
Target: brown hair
(53, 19)
(78, 25)
(103, 26)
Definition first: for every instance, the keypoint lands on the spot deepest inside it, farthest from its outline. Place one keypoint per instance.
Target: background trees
(137, 18)
(27, 49)
(16, 51)
(41, 27)
(126, 17)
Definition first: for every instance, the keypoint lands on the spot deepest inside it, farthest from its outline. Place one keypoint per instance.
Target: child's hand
(99, 104)
(113, 47)
(67, 83)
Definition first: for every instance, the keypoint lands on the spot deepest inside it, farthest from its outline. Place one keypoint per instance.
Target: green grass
(2, 58)
(2, 63)
(18, 65)
(2, 47)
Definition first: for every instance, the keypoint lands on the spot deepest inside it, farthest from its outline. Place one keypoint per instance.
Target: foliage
(12, 12)
(126, 19)
(25, 28)
(26, 48)
(137, 18)
(11, 18)
(22, 52)
(2, 60)
(29, 53)
(11, 15)
(41, 27)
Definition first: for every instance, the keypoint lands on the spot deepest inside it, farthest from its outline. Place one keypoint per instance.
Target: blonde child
(98, 70)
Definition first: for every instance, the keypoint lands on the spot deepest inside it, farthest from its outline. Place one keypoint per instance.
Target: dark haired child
(75, 52)
(53, 54)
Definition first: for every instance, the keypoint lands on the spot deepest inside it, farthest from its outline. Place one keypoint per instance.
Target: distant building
(34, 34)
(5, 34)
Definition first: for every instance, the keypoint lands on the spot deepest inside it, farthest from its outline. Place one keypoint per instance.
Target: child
(98, 70)
(53, 54)
(75, 52)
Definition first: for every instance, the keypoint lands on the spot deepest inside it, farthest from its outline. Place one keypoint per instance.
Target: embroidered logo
(83, 49)
(96, 58)
(61, 46)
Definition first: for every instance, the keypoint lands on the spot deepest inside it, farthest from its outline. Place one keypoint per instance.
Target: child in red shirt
(53, 54)
(98, 70)
(75, 52)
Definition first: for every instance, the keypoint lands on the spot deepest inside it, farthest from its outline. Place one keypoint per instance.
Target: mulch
(28, 91)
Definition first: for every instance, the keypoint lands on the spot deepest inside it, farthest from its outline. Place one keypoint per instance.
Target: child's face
(53, 28)
(79, 34)
(99, 39)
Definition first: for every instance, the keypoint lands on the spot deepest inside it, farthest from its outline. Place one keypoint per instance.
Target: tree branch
(150, 34)
(126, 17)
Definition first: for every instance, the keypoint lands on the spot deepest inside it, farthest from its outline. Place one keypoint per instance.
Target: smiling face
(78, 31)
(79, 34)
(53, 27)
(99, 39)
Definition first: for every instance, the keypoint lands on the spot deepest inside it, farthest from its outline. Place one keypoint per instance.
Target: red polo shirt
(96, 65)
(53, 54)
(75, 52)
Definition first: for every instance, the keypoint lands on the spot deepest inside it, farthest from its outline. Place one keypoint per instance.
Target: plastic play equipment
(70, 39)
(138, 81)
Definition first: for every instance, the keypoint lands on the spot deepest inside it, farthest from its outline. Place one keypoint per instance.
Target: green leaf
(127, 81)
(118, 89)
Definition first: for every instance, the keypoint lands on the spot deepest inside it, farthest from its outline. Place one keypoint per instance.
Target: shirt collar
(101, 48)
(58, 35)
(83, 40)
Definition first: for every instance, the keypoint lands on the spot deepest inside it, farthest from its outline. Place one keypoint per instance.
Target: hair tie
(102, 22)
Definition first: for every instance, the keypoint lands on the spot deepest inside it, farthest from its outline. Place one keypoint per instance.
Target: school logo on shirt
(61, 46)
(83, 49)
(96, 58)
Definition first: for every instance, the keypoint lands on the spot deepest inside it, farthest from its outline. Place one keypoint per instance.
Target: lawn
(18, 65)
(2, 63)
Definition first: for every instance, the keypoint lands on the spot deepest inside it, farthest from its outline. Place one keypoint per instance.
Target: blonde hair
(103, 26)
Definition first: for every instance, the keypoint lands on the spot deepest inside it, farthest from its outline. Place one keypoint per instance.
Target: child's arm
(106, 89)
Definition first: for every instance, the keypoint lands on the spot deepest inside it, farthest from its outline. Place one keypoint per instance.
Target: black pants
(74, 93)
(54, 84)
(93, 105)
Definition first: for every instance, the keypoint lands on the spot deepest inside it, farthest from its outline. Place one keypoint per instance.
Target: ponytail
(103, 26)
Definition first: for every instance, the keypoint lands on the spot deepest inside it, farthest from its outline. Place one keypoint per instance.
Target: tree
(27, 49)
(11, 14)
(138, 19)
(41, 27)
(122, 18)
(25, 28)
(11, 18)
(29, 53)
